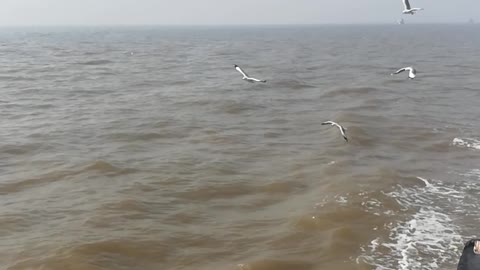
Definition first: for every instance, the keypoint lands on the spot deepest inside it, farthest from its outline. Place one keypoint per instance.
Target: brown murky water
(142, 148)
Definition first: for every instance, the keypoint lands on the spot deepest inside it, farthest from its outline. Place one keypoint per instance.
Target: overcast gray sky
(192, 12)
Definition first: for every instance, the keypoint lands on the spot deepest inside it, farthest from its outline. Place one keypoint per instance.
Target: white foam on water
(341, 200)
(428, 237)
(475, 173)
(243, 266)
(374, 244)
(427, 184)
(468, 143)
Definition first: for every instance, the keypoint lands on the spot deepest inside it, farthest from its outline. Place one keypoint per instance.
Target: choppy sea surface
(142, 148)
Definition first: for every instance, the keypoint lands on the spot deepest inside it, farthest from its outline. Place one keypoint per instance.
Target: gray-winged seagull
(342, 129)
(408, 9)
(412, 73)
(246, 77)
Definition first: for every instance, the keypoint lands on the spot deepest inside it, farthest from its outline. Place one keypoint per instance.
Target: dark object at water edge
(470, 259)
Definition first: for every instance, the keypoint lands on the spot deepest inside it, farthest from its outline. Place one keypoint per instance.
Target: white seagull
(408, 9)
(342, 129)
(412, 73)
(246, 77)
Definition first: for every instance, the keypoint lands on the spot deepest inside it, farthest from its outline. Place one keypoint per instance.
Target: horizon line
(228, 24)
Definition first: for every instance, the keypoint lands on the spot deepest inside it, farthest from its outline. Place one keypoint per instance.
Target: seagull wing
(406, 3)
(342, 130)
(416, 9)
(239, 69)
(344, 133)
(399, 71)
(257, 80)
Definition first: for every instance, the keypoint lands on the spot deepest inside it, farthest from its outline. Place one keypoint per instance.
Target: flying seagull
(408, 9)
(246, 77)
(342, 129)
(412, 73)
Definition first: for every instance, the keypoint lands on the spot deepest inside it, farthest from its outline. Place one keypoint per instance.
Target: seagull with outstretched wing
(412, 73)
(408, 9)
(342, 129)
(246, 77)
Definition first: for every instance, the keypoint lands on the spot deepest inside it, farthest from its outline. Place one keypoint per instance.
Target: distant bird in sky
(246, 77)
(412, 73)
(342, 129)
(408, 9)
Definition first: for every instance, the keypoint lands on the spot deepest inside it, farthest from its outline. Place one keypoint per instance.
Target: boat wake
(428, 237)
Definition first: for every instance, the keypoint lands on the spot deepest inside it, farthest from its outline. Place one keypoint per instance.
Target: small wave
(207, 193)
(276, 264)
(105, 167)
(179, 82)
(112, 213)
(286, 187)
(95, 62)
(141, 136)
(20, 149)
(238, 108)
(106, 73)
(295, 85)
(357, 91)
(127, 205)
(17, 78)
(15, 223)
(475, 173)
(91, 53)
(140, 250)
(107, 254)
(59, 175)
(21, 185)
(468, 143)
